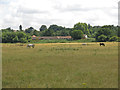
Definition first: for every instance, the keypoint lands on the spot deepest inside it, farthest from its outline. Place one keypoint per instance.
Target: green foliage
(20, 35)
(55, 30)
(82, 26)
(23, 40)
(63, 40)
(85, 40)
(48, 33)
(7, 30)
(63, 32)
(77, 34)
(114, 38)
(0, 36)
(102, 38)
(32, 31)
(51, 41)
(118, 31)
(29, 30)
(105, 32)
(43, 28)
(36, 33)
(14, 37)
(118, 39)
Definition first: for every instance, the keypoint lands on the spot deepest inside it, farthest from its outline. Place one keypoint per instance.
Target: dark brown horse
(102, 44)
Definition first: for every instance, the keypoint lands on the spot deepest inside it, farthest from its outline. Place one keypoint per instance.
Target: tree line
(100, 33)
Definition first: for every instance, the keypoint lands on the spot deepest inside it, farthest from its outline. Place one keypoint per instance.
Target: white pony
(30, 45)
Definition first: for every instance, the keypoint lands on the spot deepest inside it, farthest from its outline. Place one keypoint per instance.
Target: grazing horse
(102, 44)
(30, 45)
(84, 43)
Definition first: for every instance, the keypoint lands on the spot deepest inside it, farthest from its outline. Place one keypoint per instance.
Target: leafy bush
(102, 38)
(103, 34)
(114, 38)
(15, 37)
(77, 34)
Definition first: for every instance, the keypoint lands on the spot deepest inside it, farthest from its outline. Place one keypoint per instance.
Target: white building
(85, 36)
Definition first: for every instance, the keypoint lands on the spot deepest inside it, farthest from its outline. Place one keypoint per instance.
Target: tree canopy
(100, 33)
(43, 28)
(77, 34)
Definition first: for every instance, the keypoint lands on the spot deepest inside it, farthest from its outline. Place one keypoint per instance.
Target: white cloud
(61, 12)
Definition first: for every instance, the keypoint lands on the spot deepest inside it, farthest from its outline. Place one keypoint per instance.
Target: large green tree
(48, 33)
(55, 28)
(113, 38)
(118, 31)
(103, 31)
(43, 28)
(102, 38)
(29, 30)
(7, 30)
(82, 26)
(36, 33)
(14, 37)
(77, 34)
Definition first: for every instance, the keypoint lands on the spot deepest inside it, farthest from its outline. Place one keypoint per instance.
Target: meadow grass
(63, 40)
(60, 65)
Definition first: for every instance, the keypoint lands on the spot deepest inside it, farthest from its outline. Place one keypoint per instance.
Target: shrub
(77, 34)
(102, 38)
(114, 38)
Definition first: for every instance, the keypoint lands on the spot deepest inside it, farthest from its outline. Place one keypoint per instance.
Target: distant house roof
(47, 37)
(33, 36)
(84, 34)
(64, 37)
(55, 37)
(15, 30)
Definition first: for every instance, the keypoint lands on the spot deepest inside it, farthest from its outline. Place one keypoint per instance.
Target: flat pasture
(60, 65)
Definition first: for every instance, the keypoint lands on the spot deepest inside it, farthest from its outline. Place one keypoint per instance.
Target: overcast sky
(61, 12)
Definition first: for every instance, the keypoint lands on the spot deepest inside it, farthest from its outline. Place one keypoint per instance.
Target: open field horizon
(60, 65)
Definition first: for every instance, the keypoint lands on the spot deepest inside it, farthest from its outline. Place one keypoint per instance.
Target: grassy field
(63, 41)
(60, 65)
